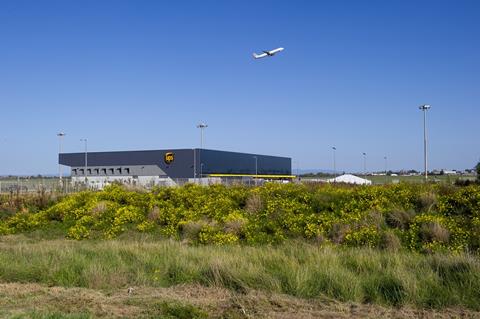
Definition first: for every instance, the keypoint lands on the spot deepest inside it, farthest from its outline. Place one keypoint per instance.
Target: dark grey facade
(221, 162)
(183, 165)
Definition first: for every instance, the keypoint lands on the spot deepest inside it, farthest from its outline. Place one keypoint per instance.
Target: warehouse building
(172, 167)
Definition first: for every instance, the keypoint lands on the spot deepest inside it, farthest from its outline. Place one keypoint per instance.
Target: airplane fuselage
(267, 53)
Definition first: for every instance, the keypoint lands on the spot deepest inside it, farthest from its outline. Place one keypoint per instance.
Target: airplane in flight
(267, 53)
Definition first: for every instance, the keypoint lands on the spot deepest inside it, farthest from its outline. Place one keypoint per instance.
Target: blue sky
(141, 74)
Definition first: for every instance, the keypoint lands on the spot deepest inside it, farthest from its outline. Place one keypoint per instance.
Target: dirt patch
(24, 298)
(17, 298)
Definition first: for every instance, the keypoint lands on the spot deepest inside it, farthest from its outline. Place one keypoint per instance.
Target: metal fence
(25, 185)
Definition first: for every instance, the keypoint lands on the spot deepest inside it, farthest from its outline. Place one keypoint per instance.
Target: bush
(364, 236)
(434, 232)
(448, 217)
(191, 229)
(390, 241)
(338, 233)
(254, 203)
(398, 218)
(427, 201)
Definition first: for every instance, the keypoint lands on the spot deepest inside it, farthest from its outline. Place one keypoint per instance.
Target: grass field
(90, 279)
(275, 251)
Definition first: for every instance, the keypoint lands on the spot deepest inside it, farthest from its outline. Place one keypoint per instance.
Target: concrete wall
(99, 182)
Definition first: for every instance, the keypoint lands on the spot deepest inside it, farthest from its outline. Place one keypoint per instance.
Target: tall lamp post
(85, 141)
(201, 126)
(425, 108)
(334, 163)
(364, 164)
(60, 135)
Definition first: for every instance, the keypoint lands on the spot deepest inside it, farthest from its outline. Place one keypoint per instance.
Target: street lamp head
(424, 107)
(202, 125)
(334, 148)
(364, 154)
(61, 134)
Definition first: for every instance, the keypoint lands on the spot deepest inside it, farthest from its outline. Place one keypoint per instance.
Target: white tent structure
(350, 179)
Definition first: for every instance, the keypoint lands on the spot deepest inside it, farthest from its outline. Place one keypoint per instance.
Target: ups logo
(169, 157)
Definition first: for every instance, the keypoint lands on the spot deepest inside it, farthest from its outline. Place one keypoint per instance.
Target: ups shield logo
(169, 157)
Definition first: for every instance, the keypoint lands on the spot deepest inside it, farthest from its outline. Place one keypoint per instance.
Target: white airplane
(267, 53)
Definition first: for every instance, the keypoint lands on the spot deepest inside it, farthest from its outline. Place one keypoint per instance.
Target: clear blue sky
(140, 74)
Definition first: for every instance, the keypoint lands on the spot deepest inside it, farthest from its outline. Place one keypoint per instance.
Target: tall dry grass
(294, 268)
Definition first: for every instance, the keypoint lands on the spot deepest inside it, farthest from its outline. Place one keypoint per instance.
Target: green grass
(294, 268)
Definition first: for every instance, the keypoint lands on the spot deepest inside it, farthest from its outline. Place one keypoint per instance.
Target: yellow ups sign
(169, 157)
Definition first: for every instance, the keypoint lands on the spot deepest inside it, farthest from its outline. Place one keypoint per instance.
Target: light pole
(385, 158)
(194, 165)
(334, 163)
(425, 108)
(60, 135)
(364, 164)
(256, 169)
(201, 126)
(298, 169)
(86, 158)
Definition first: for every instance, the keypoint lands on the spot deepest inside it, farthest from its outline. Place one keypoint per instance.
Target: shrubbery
(416, 217)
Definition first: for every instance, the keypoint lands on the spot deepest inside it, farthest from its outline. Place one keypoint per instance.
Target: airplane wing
(259, 56)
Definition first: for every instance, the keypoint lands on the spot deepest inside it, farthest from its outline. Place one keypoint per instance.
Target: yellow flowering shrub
(423, 217)
(364, 236)
(146, 226)
(211, 235)
(458, 237)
